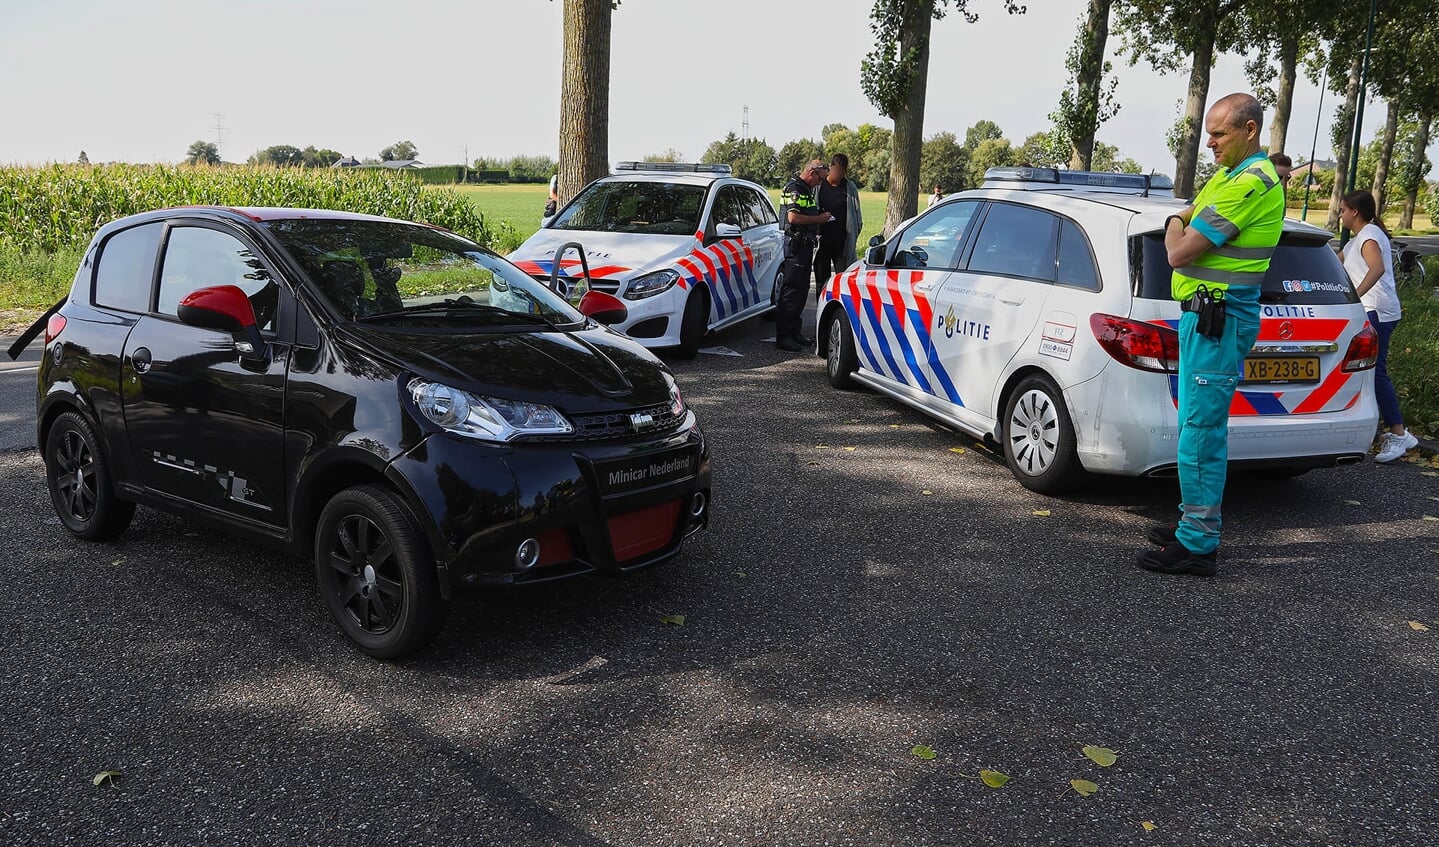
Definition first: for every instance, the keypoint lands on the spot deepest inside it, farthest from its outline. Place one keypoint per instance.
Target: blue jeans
(1383, 385)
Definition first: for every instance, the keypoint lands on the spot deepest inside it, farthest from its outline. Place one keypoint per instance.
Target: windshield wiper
(447, 306)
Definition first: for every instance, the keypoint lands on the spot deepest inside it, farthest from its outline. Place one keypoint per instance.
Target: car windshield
(1303, 272)
(383, 271)
(653, 208)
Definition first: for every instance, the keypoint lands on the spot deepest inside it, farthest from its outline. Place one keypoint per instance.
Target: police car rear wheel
(840, 361)
(1039, 438)
(694, 324)
(375, 575)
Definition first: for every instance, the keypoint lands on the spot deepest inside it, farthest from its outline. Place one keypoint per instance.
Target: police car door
(985, 312)
(763, 241)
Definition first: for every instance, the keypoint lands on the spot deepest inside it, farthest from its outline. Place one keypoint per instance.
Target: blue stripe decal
(720, 309)
(933, 358)
(895, 372)
(892, 314)
(1265, 403)
(857, 328)
(722, 277)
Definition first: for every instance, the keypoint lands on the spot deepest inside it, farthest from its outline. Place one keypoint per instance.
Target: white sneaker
(1396, 446)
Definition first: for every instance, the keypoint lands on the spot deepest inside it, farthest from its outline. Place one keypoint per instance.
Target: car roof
(670, 177)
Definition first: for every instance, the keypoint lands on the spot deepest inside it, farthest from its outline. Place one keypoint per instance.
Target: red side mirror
(603, 307)
(223, 307)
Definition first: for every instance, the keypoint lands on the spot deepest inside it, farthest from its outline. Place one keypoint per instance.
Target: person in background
(839, 196)
(1283, 165)
(1369, 261)
(552, 205)
(935, 197)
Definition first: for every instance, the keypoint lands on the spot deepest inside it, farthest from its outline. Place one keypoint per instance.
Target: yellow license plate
(1281, 370)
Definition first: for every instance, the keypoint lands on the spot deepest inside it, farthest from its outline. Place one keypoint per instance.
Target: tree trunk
(1188, 158)
(585, 96)
(1386, 155)
(903, 201)
(1284, 104)
(1415, 177)
(1341, 150)
(1087, 83)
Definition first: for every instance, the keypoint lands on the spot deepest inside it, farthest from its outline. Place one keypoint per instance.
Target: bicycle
(1408, 267)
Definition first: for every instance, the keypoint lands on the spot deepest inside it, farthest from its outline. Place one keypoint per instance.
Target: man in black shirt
(802, 220)
(840, 197)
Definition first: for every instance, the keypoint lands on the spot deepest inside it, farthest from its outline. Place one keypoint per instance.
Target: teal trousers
(1209, 371)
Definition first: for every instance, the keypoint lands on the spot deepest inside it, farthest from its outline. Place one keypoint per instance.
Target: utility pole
(744, 127)
(219, 130)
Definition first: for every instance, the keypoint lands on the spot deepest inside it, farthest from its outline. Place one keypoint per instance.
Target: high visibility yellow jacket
(1241, 212)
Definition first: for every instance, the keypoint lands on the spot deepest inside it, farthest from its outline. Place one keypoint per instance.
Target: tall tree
(1089, 103)
(1386, 153)
(894, 76)
(585, 95)
(1342, 136)
(1281, 32)
(202, 153)
(399, 151)
(1163, 32)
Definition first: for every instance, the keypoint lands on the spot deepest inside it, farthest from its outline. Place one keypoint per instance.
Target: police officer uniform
(1241, 214)
(799, 244)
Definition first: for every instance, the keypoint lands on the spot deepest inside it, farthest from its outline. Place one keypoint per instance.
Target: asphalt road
(846, 605)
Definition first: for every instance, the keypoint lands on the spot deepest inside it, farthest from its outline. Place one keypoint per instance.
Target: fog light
(527, 554)
(697, 506)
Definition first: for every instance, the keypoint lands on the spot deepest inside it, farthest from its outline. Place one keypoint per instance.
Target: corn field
(59, 207)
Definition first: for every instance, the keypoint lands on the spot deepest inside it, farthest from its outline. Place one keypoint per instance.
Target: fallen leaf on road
(1352, 503)
(994, 779)
(1148, 826)
(812, 464)
(923, 751)
(852, 420)
(959, 450)
(1083, 786)
(849, 449)
(739, 574)
(926, 492)
(1040, 513)
(118, 562)
(894, 426)
(821, 446)
(106, 776)
(1416, 625)
(1429, 473)
(1102, 756)
(676, 620)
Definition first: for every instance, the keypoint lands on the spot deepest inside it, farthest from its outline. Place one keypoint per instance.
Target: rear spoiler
(35, 329)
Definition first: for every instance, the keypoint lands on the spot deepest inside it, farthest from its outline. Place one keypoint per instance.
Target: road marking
(20, 370)
(719, 351)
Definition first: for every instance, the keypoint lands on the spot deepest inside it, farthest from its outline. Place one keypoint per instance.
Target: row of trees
(290, 156)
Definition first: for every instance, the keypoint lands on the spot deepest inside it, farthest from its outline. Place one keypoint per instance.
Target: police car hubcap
(1035, 425)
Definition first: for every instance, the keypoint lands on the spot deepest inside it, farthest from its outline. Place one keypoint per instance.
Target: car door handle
(140, 359)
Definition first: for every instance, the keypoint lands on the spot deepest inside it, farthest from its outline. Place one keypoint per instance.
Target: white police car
(1034, 313)
(687, 246)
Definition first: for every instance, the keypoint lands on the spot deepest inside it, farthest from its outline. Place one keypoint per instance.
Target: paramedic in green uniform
(1219, 248)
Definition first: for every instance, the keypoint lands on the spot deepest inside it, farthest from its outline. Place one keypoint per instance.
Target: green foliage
(323, 157)
(1404, 173)
(991, 153)
(200, 153)
(981, 132)
(280, 156)
(1431, 204)
(794, 154)
(944, 162)
(438, 174)
(1414, 354)
(60, 206)
(399, 151)
(876, 166)
(751, 158)
(1045, 149)
(668, 155)
(36, 279)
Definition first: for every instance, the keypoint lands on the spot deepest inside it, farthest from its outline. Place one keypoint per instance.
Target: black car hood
(589, 369)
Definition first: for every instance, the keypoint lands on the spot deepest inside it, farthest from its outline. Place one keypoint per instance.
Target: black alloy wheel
(78, 477)
(375, 575)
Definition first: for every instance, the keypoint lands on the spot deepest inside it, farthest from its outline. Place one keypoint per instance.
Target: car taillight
(1146, 346)
(53, 327)
(1363, 350)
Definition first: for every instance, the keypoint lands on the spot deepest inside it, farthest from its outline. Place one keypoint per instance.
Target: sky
(139, 81)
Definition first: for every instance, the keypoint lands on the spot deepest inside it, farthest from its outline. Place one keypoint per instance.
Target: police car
(1034, 313)
(688, 247)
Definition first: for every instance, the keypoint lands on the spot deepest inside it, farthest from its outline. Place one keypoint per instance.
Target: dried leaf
(1430, 518)
(106, 776)
(894, 426)
(1428, 473)
(1416, 625)
(118, 562)
(849, 449)
(1040, 513)
(677, 620)
(926, 492)
(821, 446)
(739, 574)
(1352, 503)
(1083, 786)
(1102, 756)
(959, 450)
(923, 751)
(1148, 826)
(1432, 497)
(852, 420)
(994, 779)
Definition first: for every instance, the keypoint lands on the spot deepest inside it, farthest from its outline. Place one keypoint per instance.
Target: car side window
(1016, 241)
(126, 268)
(761, 211)
(729, 207)
(1076, 260)
(934, 241)
(196, 257)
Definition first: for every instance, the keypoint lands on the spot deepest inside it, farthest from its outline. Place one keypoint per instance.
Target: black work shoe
(805, 340)
(1177, 559)
(789, 345)
(1162, 536)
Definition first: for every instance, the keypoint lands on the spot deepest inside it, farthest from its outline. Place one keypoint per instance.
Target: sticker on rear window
(1312, 285)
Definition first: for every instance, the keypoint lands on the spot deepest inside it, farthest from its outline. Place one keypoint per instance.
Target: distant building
(396, 164)
(347, 162)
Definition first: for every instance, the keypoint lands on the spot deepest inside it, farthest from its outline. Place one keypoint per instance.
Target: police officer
(802, 217)
(1219, 247)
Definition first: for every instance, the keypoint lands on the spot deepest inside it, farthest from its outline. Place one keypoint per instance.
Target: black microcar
(397, 403)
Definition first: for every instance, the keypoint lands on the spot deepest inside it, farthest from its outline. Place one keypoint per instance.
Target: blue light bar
(1093, 179)
(676, 167)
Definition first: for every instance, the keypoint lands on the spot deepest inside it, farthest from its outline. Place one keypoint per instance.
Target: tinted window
(761, 211)
(199, 258)
(651, 207)
(935, 239)
(1076, 261)
(127, 268)
(1302, 273)
(1016, 241)
(730, 207)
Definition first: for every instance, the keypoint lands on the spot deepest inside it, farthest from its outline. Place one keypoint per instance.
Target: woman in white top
(1369, 262)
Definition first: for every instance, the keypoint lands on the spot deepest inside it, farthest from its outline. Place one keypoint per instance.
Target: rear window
(1302, 273)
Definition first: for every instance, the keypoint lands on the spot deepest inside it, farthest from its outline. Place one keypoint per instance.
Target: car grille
(609, 286)
(617, 425)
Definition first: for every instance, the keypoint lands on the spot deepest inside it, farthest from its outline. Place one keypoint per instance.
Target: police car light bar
(1097, 179)
(675, 167)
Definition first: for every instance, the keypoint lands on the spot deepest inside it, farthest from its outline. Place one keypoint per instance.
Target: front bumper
(606, 507)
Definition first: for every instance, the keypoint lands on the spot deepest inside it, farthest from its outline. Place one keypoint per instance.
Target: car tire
(694, 324)
(1039, 443)
(78, 476)
(375, 574)
(840, 361)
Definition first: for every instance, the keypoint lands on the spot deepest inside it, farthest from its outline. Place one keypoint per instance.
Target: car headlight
(486, 418)
(651, 284)
(677, 400)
